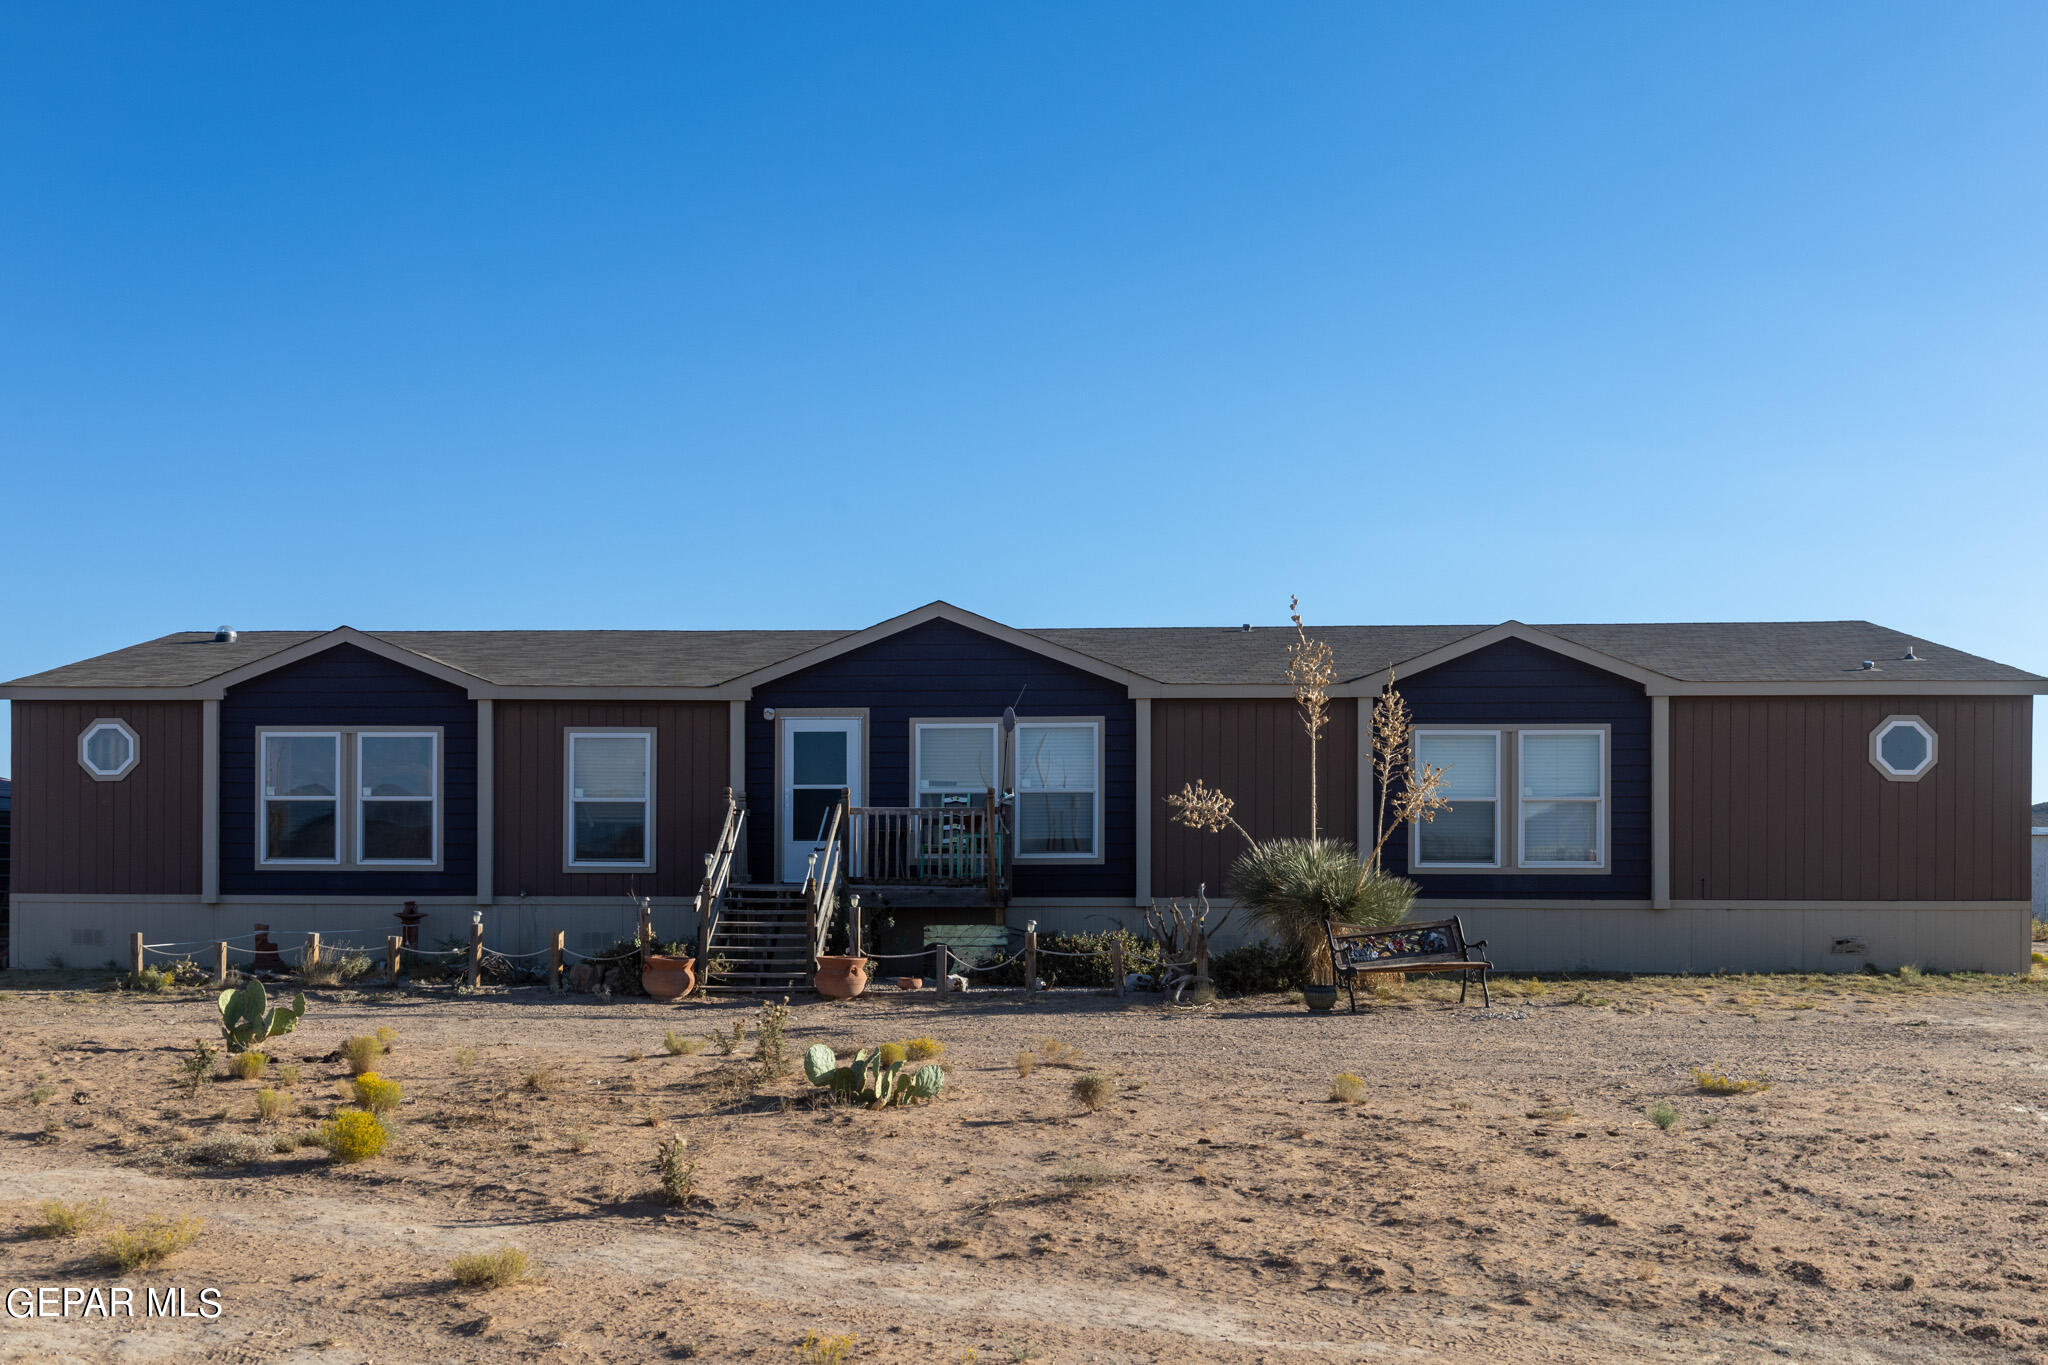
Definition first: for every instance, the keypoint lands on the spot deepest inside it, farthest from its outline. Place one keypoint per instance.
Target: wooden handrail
(718, 864)
(821, 887)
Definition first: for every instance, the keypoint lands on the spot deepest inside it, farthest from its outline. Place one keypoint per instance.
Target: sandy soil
(1500, 1194)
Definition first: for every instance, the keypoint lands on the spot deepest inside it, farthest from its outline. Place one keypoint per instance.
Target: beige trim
(320, 644)
(1884, 769)
(780, 809)
(2035, 687)
(720, 692)
(736, 746)
(1142, 888)
(486, 802)
(569, 735)
(98, 723)
(1660, 802)
(1427, 906)
(939, 611)
(1851, 905)
(209, 796)
(1101, 792)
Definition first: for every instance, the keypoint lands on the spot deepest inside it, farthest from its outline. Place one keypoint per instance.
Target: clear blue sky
(678, 315)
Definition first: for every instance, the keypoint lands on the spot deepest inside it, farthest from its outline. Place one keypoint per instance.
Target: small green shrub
(769, 1058)
(361, 1053)
(157, 1240)
(1093, 970)
(269, 1104)
(1348, 1089)
(1664, 1114)
(247, 1066)
(152, 980)
(729, 1043)
(1259, 968)
(287, 1076)
(376, 1094)
(1094, 1090)
(69, 1220)
(198, 1068)
(353, 1135)
(491, 1269)
(817, 1350)
(678, 1173)
(676, 1045)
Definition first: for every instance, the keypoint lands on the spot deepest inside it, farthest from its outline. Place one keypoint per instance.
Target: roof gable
(940, 611)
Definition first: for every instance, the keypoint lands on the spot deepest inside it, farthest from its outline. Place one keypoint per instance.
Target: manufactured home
(1648, 797)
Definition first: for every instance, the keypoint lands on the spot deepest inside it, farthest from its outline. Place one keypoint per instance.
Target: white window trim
(1508, 787)
(570, 862)
(348, 798)
(1885, 727)
(994, 728)
(1415, 858)
(99, 774)
(264, 798)
(1017, 784)
(433, 798)
(1599, 802)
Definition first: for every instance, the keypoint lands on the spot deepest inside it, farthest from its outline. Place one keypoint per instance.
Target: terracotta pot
(909, 983)
(841, 978)
(1321, 999)
(668, 978)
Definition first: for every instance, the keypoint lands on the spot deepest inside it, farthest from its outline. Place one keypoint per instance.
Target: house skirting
(1689, 937)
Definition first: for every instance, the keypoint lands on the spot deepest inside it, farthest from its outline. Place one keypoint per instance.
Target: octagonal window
(108, 750)
(1903, 748)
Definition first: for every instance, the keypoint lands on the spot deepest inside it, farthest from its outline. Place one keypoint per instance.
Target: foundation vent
(88, 938)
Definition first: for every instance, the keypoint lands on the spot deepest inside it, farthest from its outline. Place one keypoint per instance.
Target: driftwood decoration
(1183, 929)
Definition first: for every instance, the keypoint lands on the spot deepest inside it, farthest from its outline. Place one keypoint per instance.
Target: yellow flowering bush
(376, 1094)
(353, 1135)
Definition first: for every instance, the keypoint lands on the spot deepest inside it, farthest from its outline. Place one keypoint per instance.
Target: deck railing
(927, 845)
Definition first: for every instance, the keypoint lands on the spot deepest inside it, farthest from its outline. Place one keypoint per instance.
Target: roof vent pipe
(1909, 657)
(1246, 626)
(224, 636)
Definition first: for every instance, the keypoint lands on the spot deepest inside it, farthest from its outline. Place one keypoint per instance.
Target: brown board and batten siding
(136, 836)
(692, 768)
(1775, 799)
(1254, 750)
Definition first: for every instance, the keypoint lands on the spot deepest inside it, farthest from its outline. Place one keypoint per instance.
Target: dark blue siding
(942, 669)
(1516, 683)
(346, 686)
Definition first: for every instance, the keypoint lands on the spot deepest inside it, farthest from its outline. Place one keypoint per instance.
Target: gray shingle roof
(1736, 652)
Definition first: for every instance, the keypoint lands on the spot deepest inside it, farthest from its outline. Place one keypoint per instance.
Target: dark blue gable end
(346, 686)
(941, 669)
(1517, 683)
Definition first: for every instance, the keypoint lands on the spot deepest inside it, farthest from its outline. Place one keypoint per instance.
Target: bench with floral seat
(1434, 946)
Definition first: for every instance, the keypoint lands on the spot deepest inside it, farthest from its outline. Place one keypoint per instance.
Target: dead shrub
(491, 1269)
(1094, 1090)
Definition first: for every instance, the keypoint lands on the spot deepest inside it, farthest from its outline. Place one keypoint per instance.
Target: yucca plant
(1288, 887)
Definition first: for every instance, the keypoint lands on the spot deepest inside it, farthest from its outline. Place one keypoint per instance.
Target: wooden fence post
(220, 963)
(939, 964)
(311, 958)
(1116, 962)
(476, 952)
(391, 947)
(646, 930)
(555, 962)
(134, 956)
(1030, 962)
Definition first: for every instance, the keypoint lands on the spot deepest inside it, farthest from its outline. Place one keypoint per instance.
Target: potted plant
(668, 971)
(843, 976)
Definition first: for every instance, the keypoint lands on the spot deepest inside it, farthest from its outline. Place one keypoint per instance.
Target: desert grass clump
(729, 1043)
(924, 1049)
(387, 1036)
(1057, 1052)
(377, 1094)
(361, 1053)
(817, 1350)
(247, 1066)
(491, 1269)
(269, 1104)
(287, 1076)
(198, 1068)
(1712, 1082)
(543, 1080)
(1084, 1175)
(678, 1173)
(1027, 1062)
(69, 1220)
(465, 1060)
(1093, 1090)
(354, 1135)
(155, 1241)
(1347, 1088)
(578, 1139)
(1664, 1114)
(676, 1045)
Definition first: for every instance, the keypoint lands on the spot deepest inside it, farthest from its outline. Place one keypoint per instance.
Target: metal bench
(1435, 946)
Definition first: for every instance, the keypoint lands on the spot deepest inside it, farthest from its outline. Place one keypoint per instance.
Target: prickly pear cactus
(925, 1084)
(868, 1080)
(245, 1022)
(819, 1063)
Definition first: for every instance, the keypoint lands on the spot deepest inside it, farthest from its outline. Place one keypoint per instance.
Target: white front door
(820, 756)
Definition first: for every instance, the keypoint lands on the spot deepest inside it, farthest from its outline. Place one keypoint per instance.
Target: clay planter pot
(909, 983)
(668, 978)
(1321, 999)
(841, 978)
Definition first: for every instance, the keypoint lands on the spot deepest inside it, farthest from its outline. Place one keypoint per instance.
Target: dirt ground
(1500, 1192)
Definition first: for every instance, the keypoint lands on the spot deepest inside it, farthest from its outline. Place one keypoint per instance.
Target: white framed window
(610, 817)
(1059, 786)
(956, 762)
(299, 774)
(398, 808)
(1904, 748)
(1467, 832)
(108, 749)
(1561, 776)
